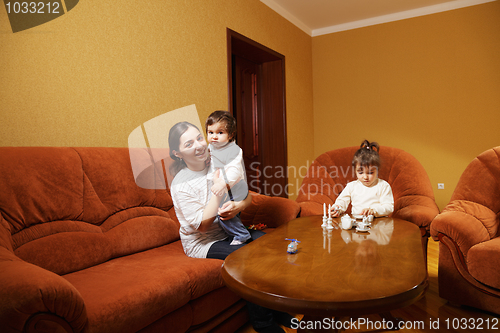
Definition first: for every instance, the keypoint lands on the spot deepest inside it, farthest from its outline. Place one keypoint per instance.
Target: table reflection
(380, 232)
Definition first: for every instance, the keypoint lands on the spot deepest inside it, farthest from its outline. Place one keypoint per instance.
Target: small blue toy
(292, 247)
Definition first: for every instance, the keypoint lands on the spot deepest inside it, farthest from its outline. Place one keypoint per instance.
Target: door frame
(271, 99)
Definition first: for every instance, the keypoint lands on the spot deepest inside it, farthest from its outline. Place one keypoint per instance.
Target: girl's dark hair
(226, 118)
(367, 155)
(174, 138)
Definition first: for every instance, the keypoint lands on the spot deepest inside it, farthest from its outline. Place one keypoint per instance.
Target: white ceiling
(319, 17)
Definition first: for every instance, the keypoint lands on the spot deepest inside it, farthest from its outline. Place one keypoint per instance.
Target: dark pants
(260, 317)
(221, 249)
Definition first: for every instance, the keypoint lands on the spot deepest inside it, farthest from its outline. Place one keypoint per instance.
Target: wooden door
(257, 100)
(245, 94)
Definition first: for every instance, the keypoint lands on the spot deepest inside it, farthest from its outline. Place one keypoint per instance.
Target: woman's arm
(211, 209)
(226, 212)
(210, 213)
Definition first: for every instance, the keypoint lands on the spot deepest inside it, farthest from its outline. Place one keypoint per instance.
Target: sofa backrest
(71, 208)
(399, 168)
(480, 181)
(478, 191)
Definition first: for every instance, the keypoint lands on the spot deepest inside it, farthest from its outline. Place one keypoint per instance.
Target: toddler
(228, 158)
(368, 194)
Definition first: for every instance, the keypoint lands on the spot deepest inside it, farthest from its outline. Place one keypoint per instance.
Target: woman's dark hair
(367, 155)
(227, 119)
(174, 137)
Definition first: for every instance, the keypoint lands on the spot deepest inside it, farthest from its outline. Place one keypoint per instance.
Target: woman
(198, 211)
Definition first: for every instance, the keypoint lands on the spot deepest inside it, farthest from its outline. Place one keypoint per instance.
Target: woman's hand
(231, 208)
(228, 210)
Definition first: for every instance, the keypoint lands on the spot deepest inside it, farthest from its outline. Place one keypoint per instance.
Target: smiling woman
(194, 207)
(199, 214)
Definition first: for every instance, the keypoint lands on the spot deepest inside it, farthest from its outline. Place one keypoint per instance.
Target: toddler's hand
(367, 211)
(219, 186)
(335, 211)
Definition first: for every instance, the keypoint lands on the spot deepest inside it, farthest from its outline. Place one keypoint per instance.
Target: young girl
(369, 194)
(227, 157)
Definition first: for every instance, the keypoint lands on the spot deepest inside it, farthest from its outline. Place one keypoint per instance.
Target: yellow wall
(91, 76)
(428, 85)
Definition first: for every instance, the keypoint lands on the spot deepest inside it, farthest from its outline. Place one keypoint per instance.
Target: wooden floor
(430, 311)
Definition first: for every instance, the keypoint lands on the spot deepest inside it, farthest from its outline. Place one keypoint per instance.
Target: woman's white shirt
(190, 192)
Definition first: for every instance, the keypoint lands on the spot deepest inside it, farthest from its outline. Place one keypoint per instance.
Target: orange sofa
(84, 249)
(468, 233)
(413, 196)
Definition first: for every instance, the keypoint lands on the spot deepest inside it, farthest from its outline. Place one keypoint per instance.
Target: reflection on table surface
(336, 263)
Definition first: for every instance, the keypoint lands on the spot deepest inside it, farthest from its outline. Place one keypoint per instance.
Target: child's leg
(233, 227)
(226, 227)
(236, 229)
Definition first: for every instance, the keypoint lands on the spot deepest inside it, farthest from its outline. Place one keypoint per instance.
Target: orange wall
(91, 76)
(428, 85)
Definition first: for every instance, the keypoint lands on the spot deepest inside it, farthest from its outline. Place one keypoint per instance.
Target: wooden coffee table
(334, 273)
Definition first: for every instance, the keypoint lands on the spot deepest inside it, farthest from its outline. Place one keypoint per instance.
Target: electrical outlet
(440, 186)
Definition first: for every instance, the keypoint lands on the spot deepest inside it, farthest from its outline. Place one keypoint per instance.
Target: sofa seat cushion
(483, 261)
(128, 293)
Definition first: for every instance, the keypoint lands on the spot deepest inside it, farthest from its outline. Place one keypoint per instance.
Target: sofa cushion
(128, 293)
(483, 261)
(40, 185)
(44, 184)
(67, 246)
(111, 186)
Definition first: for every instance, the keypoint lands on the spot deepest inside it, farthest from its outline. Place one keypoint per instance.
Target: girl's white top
(378, 197)
(190, 192)
(230, 158)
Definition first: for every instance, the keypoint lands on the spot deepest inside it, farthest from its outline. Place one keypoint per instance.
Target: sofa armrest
(33, 298)
(271, 211)
(465, 223)
(308, 208)
(418, 209)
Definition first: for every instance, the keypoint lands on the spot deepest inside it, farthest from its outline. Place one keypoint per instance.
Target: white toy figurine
(292, 247)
